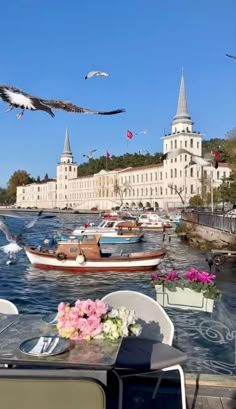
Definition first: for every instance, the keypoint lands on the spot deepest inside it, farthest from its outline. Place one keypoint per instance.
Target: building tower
(66, 170)
(180, 182)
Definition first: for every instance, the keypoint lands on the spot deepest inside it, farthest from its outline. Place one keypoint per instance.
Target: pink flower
(100, 308)
(172, 275)
(88, 307)
(154, 276)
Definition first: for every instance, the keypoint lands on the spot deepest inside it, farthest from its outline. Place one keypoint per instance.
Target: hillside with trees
(226, 147)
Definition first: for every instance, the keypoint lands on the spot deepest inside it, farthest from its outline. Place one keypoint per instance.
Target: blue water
(209, 339)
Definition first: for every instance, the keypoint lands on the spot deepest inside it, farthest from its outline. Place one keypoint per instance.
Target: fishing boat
(111, 232)
(86, 255)
(149, 221)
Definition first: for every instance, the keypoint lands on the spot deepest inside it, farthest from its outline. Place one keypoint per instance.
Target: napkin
(38, 347)
(52, 345)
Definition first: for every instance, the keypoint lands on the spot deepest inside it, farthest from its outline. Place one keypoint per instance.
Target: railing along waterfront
(216, 221)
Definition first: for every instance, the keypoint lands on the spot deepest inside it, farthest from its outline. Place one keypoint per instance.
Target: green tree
(19, 178)
(196, 200)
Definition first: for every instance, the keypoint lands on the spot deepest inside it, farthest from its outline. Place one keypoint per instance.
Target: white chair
(157, 327)
(7, 307)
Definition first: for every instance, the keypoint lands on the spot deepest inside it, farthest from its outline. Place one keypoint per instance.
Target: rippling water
(38, 291)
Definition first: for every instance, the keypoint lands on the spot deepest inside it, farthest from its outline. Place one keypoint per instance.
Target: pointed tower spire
(182, 120)
(67, 156)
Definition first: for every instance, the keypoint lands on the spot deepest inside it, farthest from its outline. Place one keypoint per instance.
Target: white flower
(113, 313)
(135, 329)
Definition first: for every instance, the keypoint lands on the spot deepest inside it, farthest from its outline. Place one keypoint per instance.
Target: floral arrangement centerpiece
(194, 281)
(88, 319)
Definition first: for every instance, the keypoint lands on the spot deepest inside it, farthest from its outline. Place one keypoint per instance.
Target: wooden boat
(86, 255)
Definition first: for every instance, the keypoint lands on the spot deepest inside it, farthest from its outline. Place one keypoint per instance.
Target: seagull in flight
(96, 74)
(15, 241)
(90, 154)
(16, 98)
(195, 159)
(231, 56)
(144, 131)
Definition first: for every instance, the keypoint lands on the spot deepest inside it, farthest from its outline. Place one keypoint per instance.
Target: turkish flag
(108, 155)
(129, 134)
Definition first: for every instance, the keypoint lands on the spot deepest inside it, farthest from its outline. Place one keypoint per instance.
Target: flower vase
(184, 298)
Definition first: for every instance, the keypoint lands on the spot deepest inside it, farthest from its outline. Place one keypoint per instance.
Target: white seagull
(15, 241)
(17, 98)
(12, 248)
(144, 131)
(195, 159)
(90, 154)
(96, 74)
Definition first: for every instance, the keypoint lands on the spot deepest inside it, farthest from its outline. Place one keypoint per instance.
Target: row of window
(187, 144)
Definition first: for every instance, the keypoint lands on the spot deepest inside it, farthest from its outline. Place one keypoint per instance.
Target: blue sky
(47, 47)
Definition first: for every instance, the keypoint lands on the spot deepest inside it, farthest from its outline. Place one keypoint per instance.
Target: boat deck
(202, 392)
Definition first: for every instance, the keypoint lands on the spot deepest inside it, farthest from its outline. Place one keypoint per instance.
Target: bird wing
(16, 96)
(174, 153)
(33, 221)
(231, 56)
(69, 107)
(96, 74)
(5, 229)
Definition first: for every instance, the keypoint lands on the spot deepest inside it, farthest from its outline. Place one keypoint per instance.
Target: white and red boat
(86, 255)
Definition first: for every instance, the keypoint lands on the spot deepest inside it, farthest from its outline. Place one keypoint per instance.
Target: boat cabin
(88, 247)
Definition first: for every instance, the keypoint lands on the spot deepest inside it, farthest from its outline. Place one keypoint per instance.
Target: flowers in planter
(89, 319)
(199, 281)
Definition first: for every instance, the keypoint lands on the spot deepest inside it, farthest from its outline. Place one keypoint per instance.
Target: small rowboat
(86, 255)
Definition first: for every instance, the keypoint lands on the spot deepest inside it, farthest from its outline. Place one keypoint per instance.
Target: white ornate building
(148, 185)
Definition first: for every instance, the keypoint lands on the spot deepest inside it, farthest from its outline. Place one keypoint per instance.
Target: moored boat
(86, 255)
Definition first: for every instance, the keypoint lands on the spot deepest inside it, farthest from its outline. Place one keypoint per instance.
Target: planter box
(185, 299)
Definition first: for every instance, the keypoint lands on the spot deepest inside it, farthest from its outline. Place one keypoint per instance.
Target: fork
(45, 344)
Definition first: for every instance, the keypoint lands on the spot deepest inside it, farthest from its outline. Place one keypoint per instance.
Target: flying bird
(195, 159)
(231, 56)
(144, 131)
(16, 241)
(96, 74)
(13, 247)
(16, 98)
(90, 154)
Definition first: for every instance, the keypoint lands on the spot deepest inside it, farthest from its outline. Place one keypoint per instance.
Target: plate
(50, 318)
(54, 345)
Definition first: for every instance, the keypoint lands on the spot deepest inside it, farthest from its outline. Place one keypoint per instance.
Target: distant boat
(84, 256)
(111, 232)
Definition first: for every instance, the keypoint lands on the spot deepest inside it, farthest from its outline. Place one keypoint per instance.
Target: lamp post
(212, 187)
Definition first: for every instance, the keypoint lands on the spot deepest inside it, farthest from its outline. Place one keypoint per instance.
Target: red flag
(108, 155)
(129, 134)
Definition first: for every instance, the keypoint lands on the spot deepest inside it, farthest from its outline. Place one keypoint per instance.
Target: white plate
(33, 346)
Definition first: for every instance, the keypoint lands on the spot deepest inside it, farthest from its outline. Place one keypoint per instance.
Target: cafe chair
(157, 331)
(50, 389)
(7, 307)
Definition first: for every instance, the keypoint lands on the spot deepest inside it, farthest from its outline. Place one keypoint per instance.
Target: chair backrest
(50, 392)
(156, 324)
(7, 307)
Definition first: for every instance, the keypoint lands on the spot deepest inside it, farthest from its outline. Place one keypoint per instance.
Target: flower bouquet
(195, 290)
(89, 319)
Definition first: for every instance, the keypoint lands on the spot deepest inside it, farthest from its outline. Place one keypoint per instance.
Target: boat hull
(134, 263)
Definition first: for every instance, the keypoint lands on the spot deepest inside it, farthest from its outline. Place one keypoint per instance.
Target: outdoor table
(92, 358)
(7, 320)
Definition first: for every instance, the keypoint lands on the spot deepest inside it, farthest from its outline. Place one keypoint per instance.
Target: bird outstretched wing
(96, 74)
(7, 232)
(175, 152)
(69, 107)
(231, 56)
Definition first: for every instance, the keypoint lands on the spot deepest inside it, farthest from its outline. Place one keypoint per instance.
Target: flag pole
(106, 163)
(127, 142)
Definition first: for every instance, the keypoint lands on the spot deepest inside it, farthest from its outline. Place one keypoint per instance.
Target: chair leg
(182, 382)
(157, 386)
(120, 395)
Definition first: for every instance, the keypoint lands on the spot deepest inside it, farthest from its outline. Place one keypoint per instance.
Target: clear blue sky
(47, 47)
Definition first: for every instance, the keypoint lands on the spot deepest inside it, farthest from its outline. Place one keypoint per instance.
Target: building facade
(167, 185)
